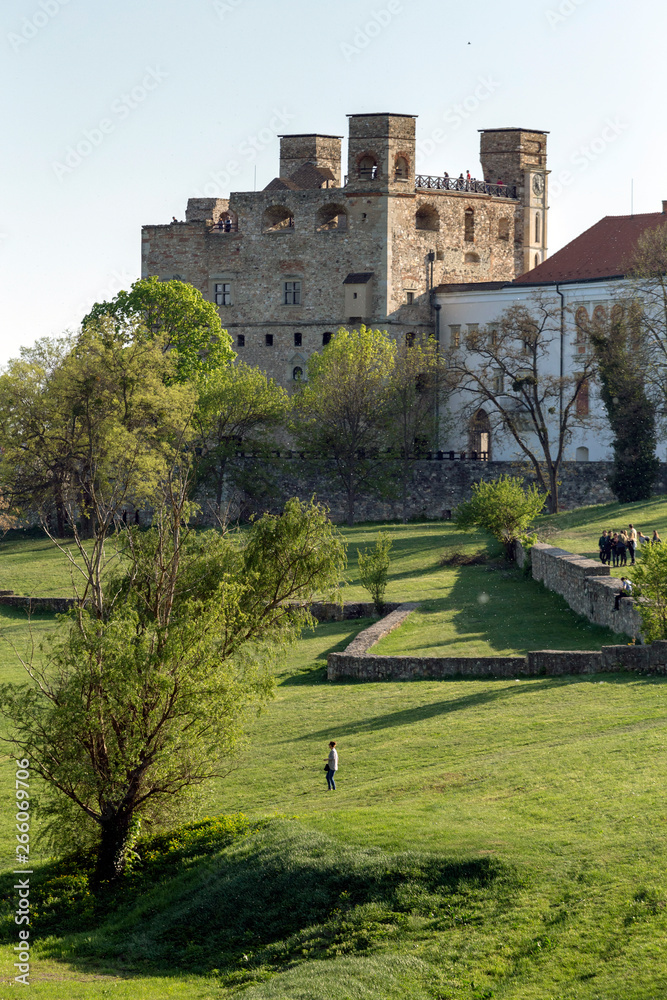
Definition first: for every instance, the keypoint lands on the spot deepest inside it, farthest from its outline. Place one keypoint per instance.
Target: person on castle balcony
(632, 543)
(461, 182)
(602, 545)
(625, 591)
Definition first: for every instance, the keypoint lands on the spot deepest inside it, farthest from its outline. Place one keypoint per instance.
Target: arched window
(469, 226)
(599, 315)
(480, 434)
(409, 339)
(617, 313)
(503, 229)
(368, 167)
(297, 373)
(582, 403)
(537, 228)
(427, 218)
(326, 339)
(278, 218)
(581, 322)
(582, 454)
(331, 217)
(472, 258)
(401, 169)
(228, 222)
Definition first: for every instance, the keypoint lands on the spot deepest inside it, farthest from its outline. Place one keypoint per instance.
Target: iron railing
(224, 226)
(425, 181)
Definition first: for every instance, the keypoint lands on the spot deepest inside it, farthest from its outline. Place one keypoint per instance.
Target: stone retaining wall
(436, 487)
(36, 605)
(586, 585)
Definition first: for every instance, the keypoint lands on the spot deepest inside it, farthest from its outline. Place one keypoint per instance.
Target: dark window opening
(469, 226)
(368, 168)
(223, 293)
(292, 293)
(298, 339)
(409, 339)
(427, 218)
(240, 340)
(326, 339)
(297, 374)
(268, 339)
(410, 298)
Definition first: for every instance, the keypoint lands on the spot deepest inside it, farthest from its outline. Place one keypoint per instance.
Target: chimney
(664, 208)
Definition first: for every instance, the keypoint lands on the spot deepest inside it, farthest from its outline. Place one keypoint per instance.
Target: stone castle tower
(316, 250)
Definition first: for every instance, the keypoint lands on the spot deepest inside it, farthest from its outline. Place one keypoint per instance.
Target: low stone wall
(323, 612)
(37, 605)
(586, 585)
(356, 663)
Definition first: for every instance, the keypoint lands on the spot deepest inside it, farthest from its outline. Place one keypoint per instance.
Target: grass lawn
(488, 839)
(579, 530)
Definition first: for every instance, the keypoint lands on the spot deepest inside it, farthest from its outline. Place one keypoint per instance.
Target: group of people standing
(616, 546)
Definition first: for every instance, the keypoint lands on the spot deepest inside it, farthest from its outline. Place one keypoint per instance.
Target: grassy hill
(488, 839)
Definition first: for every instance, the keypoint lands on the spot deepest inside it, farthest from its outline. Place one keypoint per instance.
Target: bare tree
(648, 294)
(511, 369)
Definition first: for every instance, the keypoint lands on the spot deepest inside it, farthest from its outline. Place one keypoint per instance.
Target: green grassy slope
(488, 839)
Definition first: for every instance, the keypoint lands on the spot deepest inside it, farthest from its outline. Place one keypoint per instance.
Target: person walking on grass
(332, 766)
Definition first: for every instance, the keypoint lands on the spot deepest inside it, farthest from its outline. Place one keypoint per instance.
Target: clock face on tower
(538, 184)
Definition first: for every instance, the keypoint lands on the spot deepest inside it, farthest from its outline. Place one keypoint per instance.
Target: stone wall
(437, 487)
(586, 585)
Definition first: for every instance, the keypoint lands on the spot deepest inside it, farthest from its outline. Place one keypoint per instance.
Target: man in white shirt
(625, 591)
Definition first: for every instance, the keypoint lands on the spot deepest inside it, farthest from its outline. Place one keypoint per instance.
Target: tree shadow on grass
(509, 612)
(342, 634)
(501, 689)
(274, 895)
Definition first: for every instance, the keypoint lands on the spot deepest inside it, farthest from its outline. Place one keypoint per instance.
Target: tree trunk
(406, 472)
(553, 490)
(350, 507)
(110, 863)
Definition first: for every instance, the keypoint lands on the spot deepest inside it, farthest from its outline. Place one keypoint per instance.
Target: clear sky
(115, 113)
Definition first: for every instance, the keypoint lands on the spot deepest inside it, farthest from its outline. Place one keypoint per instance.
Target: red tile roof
(603, 251)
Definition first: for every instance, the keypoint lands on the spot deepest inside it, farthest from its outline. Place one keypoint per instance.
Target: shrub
(504, 507)
(373, 567)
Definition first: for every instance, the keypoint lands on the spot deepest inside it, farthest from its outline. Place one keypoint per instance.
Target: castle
(316, 249)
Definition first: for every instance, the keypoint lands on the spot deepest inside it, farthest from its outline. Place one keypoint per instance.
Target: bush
(504, 507)
(649, 578)
(373, 567)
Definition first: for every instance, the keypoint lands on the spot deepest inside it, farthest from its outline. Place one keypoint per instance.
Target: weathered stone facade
(290, 264)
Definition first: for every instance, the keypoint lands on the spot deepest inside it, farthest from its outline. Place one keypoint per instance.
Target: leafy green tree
(622, 365)
(343, 410)
(144, 694)
(88, 427)
(238, 406)
(419, 383)
(178, 314)
(649, 578)
(504, 507)
(374, 567)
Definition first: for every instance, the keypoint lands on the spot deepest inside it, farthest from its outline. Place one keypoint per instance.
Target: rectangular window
(473, 329)
(298, 339)
(268, 339)
(583, 399)
(493, 337)
(223, 293)
(326, 338)
(498, 381)
(455, 335)
(410, 298)
(292, 293)
(240, 340)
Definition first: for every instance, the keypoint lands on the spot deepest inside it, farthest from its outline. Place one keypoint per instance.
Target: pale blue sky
(165, 94)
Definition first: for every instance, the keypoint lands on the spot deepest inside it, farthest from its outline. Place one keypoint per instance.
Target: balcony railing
(461, 184)
(224, 226)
